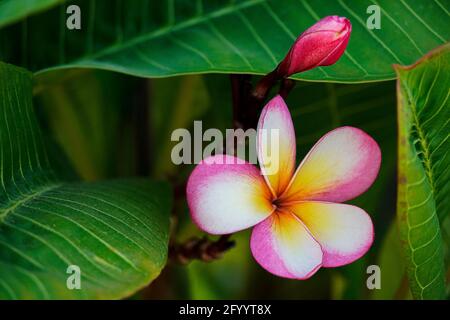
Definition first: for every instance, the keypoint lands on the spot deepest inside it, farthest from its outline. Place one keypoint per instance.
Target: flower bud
(320, 45)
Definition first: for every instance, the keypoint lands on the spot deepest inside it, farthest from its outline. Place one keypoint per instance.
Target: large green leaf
(115, 231)
(423, 163)
(173, 37)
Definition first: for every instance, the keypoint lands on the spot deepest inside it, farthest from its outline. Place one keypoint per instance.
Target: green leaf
(187, 98)
(86, 112)
(115, 231)
(423, 175)
(167, 38)
(14, 10)
(445, 229)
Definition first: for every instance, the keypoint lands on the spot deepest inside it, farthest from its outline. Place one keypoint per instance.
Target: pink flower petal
(226, 194)
(343, 164)
(320, 45)
(282, 245)
(345, 232)
(277, 159)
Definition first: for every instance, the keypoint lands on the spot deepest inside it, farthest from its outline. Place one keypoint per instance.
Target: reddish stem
(203, 249)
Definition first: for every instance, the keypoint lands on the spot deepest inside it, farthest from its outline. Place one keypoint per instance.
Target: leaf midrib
(26, 198)
(422, 140)
(428, 168)
(169, 29)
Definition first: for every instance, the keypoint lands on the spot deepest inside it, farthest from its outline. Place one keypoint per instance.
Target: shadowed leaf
(423, 162)
(115, 231)
(175, 37)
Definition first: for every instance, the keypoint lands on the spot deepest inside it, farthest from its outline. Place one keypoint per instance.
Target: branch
(202, 249)
(286, 86)
(241, 86)
(259, 94)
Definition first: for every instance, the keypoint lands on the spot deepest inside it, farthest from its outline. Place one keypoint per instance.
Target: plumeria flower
(299, 221)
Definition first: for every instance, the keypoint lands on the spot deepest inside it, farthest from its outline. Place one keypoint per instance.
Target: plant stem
(241, 87)
(264, 85)
(259, 95)
(286, 86)
(202, 249)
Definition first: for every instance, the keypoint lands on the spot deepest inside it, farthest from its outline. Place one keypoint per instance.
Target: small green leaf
(116, 232)
(423, 161)
(167, 37)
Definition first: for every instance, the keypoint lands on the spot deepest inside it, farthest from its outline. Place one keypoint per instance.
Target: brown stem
(286, 86)
(236, 98)
(259, 95)
(203, 249)
(241, 87)
(264, 85)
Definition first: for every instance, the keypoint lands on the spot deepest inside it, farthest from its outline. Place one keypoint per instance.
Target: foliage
(246, 36)
(116, 232)
(79, 126)
(423, 202)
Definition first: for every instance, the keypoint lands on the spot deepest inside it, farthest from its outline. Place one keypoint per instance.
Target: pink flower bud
(320, 45)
